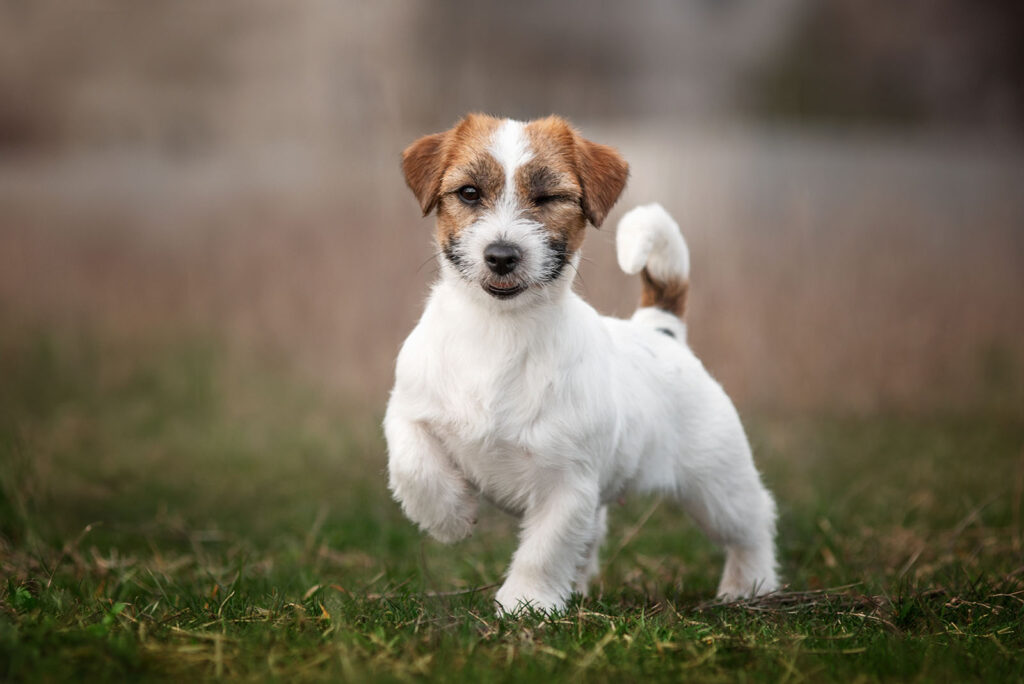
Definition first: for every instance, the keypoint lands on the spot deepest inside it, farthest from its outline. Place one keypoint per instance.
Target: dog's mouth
(504, 291)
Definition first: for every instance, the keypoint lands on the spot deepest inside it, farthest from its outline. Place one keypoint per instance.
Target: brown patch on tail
(668, 295)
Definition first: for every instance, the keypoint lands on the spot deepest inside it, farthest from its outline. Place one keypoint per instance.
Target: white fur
(648, 236)
(551, 411)
(511, 149)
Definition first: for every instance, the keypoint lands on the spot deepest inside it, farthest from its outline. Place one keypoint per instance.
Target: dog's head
(512, 199)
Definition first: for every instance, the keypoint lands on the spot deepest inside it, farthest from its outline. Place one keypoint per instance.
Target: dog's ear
(603, 173)
(423, 165)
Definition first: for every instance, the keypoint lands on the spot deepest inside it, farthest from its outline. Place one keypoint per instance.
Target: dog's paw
(748, 573)
(446, 514)
(514, 598)
(737, 590)
(456, 526)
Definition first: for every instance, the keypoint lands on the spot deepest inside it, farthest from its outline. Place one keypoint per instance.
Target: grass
(170, 513)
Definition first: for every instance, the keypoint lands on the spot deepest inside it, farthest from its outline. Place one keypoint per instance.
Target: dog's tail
(649, 243)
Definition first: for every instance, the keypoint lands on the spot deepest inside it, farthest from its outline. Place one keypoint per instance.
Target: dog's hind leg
(590, 567)
(737, 512)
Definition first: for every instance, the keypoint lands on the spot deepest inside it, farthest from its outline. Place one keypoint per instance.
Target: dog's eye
(469, 194)
(548, 199)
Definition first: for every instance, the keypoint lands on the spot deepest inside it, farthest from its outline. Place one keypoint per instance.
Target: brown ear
(603, 175)
(423, 164)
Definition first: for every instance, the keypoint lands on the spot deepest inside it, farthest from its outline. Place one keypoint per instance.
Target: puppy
(513, 388)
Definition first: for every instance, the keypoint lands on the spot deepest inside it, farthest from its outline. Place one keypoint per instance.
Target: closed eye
(541, 200)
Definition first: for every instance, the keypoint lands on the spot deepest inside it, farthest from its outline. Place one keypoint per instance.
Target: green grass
(170, 512)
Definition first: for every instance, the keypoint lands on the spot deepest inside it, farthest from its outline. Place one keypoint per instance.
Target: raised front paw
(454, 526)
(515, 597)
(447, 513)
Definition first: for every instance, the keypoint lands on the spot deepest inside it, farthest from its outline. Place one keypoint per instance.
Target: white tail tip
(647, 236)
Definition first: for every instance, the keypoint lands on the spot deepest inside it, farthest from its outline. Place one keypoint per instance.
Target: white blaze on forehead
(509, 145)
(511, 149)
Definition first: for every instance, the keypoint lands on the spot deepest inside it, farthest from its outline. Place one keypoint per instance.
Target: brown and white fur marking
(513, 388)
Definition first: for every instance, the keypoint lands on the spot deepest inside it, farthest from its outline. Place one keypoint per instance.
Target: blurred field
(855, 205)
(829, 274)
(195, 358)
(169, 513)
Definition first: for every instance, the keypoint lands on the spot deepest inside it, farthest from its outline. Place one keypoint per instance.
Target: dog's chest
(503, 400)
(501, 414)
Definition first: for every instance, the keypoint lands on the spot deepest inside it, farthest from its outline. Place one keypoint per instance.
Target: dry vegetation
(233, 169)
(170, 513)
(208, 259)
(862, 274)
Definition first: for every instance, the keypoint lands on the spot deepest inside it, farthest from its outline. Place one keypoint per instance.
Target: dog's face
(512, 199)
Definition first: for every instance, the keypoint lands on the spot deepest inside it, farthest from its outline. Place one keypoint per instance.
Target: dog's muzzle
(502, 258)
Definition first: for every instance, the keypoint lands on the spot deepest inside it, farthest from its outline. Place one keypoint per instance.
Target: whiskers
(433, 257)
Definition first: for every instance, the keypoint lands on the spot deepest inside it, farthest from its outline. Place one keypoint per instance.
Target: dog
(512, 388)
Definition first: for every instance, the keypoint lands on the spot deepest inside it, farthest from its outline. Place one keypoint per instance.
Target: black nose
(501, 257)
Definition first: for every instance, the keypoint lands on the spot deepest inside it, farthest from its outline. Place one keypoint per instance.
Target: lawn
(172, 512)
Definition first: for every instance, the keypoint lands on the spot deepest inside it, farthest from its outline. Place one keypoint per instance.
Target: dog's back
(665, 394)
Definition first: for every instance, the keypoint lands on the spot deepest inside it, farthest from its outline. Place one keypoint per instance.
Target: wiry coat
(548, 409)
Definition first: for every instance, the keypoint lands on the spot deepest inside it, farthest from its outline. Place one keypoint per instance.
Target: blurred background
(209, 259)
(849, 175)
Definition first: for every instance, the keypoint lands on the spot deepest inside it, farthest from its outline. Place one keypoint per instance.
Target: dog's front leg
(555, 535)
(422, 478)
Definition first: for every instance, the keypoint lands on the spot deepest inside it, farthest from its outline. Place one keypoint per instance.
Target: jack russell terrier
(513, 388)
